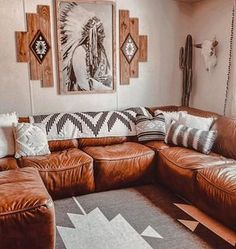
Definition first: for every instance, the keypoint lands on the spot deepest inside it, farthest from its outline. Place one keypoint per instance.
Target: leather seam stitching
(63, 169)
(216, 186)
(23, 210)
(177, 163)
(127, 158)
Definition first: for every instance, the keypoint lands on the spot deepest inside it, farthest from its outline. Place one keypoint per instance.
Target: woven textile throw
(62, 126)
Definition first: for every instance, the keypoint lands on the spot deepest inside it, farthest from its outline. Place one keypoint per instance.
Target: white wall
(159, 82)
(211, 18)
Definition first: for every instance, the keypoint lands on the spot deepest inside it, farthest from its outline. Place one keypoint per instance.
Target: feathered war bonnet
(77, 26)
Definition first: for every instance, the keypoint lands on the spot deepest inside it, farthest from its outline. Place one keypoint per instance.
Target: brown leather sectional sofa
(83, 166)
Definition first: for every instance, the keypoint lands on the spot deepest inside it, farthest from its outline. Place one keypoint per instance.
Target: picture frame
(86, 44)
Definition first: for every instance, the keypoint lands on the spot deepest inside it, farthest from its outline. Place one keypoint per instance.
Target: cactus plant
(185, 63)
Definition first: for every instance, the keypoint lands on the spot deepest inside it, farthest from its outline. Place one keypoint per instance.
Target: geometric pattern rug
(143, 217)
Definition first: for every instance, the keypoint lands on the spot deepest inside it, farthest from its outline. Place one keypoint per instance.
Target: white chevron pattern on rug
(94, 230)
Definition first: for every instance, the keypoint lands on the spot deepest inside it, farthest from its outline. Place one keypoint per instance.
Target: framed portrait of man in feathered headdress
(86, 46)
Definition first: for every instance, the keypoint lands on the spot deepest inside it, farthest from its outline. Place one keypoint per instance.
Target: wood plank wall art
(34, 46)
(133, 47)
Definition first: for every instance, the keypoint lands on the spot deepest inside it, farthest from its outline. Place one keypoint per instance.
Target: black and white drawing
(86, 46)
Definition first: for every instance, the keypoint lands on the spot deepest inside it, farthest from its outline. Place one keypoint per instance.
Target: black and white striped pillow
(192, 138)
(150, 128)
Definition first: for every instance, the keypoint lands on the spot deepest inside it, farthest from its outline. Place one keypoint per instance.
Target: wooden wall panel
(44, 19)
(29, 50)
(33, 26)
(143, 52)
(134, 32)
(133, 47)
(22, 53)
(124, 31)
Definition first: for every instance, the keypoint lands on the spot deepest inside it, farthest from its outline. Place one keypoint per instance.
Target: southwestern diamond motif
(129, 48)
(39, 46)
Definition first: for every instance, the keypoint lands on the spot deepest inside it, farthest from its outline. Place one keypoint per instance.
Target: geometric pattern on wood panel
(129, 48)
(39, 46)
(133, 47)
(34, 46)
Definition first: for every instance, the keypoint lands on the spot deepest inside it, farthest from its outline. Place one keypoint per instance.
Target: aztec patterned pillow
(150, 128)
(31, 140)
(192, 138)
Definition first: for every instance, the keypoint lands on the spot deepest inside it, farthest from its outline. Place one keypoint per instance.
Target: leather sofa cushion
(157, 145)
(216, 191)
(225, 143)
(26, 211)
(84, 142)
(178, 166)
(121, 165)
(65, 173)
(7, 163)
(59, 145)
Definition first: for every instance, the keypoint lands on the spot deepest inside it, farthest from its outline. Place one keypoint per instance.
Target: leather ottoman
(64, 173)
(27, 219)
(121, 165)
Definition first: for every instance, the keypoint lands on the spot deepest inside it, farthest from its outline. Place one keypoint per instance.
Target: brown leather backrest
(198, 112)
(169, 108)
(8, 163)
(226, 137)
(59, 145)
(84, 142)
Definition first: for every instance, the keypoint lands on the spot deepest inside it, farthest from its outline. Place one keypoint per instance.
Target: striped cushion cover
(192, 138)
(150, 128)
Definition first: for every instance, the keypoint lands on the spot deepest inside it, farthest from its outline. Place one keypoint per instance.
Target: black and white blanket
(60, 126)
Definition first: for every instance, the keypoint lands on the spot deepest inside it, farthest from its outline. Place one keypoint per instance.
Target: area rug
(144, 217)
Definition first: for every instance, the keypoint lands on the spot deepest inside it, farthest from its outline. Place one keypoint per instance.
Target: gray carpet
(142, 217)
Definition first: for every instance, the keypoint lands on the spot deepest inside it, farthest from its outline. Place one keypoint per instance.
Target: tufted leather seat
(216, 192)
(65, 173)
(26, 211)
(121, 165)
(177, 168)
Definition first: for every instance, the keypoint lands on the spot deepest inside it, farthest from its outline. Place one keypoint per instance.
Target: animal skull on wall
(209, 53)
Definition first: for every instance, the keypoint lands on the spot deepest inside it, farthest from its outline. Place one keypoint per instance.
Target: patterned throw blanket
(62, 126)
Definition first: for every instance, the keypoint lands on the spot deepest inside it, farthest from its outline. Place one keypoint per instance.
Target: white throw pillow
(170, 116)
(7, 144)
(31, 140)
(196, 122)
(8, 119)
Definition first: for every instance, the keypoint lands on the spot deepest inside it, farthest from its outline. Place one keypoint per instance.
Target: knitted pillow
(150, 128)
(31, 140)
(192, 138)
